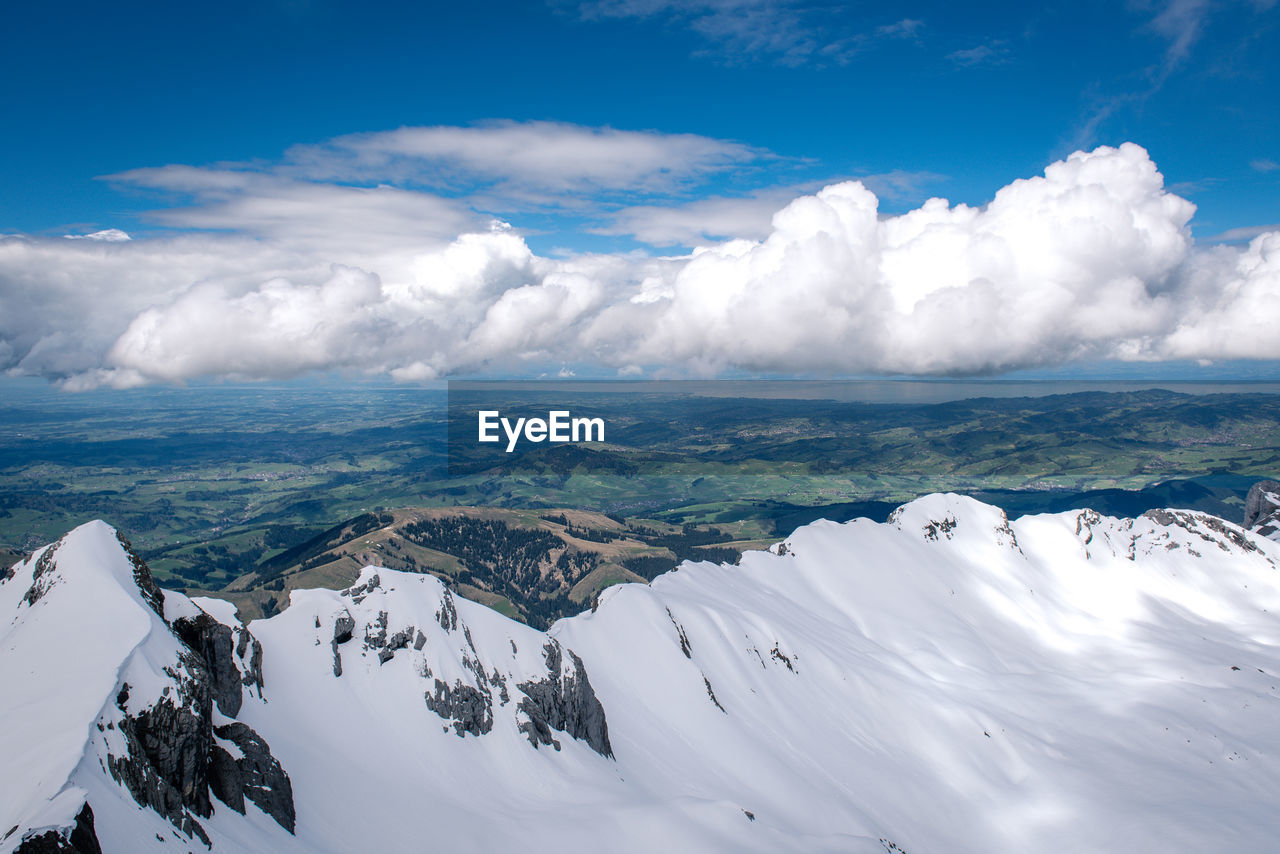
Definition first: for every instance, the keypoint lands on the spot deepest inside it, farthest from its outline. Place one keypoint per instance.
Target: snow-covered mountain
(948, 681)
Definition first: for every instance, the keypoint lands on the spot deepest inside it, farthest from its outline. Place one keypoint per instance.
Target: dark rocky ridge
(564, 702)
(447, 616)
(81, 840)
(167, 753)
(41, 581)
(168, 745)
(1196, 523)
(257, 775)
(142, 577)
(211, 640)
(557, 703)
(172, 763)
(253, 671)
(1261, 510)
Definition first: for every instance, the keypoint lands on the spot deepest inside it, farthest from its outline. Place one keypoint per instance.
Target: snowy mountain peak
(1158, 531)
(94, 548)
(473, 668)
(947, 516)
(104, 696)
(1066, 682)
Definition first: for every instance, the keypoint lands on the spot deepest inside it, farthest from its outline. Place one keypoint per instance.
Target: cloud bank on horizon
(274, 273)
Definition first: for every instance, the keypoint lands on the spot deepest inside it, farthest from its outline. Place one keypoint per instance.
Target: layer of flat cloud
(719, 218)
(703, 221)
(524, 158)
(362, 196)
(1091, 260)
(300, 212)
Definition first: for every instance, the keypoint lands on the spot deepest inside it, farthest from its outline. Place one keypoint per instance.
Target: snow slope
(71, 625)
(948, 681)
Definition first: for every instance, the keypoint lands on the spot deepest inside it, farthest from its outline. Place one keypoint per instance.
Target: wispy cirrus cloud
(994, 52)
(1179, 26)
(789, 32)
(1180, 23)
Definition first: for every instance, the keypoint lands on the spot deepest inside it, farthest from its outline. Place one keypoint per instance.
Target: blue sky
(965, 96)
(418, 190)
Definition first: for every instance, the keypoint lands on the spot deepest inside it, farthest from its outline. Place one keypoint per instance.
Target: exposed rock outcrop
(1209, 529)
(172, 762)
(256, 775)
(41, 578)
(685, 646)
(165, 765)
(81, 840)
(212, 641)
(712, 694)
(142, 577)
(343, 629)
(447, 616)
(399, 640)
(360, 591)
(1262, 509)
(468, 708)
(375, 634)
(252, 669)
(564, 702)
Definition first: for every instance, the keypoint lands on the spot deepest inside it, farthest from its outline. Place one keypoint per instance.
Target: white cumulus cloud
(1091, 260)
(1231, 306)
(1056, 267)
